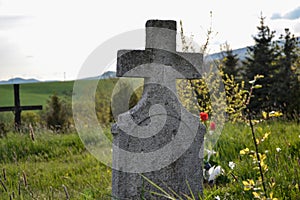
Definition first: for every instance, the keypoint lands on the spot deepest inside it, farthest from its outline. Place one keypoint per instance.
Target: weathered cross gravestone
(17, 109)
(157, 140)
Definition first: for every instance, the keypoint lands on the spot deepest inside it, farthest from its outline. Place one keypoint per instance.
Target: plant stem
(3, 185)
(257, 154)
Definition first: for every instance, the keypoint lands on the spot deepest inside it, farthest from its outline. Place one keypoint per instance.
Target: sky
(50, 40)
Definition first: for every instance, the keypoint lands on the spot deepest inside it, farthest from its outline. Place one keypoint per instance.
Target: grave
(158, 141)
(17, 109)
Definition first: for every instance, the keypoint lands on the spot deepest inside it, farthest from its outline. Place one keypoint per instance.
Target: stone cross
(17, 109)
(158, 141)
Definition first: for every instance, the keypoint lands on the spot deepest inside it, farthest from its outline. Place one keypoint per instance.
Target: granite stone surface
(158, 138)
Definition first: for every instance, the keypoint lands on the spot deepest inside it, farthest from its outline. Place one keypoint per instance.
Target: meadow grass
(55, 166)
(49, 163)
(282, 149)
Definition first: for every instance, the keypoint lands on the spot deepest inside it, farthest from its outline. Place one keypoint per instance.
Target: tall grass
(57, 166)
(283, 159)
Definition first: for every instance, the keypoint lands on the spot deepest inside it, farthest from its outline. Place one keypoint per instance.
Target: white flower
(278, 149)
(266, 151)
(209, 153)
(217, 198)
(231, 165)
(214, 172)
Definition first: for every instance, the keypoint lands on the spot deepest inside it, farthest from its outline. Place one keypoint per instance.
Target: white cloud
(292, 15)
(276, 16)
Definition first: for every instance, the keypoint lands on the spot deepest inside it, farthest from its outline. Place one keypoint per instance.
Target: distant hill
(241, 53)
(108, 74)
(19, 81)
(105, 75)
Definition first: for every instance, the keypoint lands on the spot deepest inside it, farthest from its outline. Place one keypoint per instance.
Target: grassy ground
(39, 169)
(53, 163)
(282, 149)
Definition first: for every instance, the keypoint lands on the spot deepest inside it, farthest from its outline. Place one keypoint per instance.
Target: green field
(35, 93)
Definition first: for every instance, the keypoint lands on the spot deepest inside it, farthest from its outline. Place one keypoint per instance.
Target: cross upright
(17, 109)
(158, 138)
(159, 59)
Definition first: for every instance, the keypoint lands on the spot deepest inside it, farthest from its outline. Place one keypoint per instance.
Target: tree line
(278, 61)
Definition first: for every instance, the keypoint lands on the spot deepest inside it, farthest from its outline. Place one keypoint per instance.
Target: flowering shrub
(255, 168)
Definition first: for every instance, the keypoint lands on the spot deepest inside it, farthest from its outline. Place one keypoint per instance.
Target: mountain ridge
(18, 80)
(242, 52)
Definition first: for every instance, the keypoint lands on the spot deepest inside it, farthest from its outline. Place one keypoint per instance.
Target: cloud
(294, 14)
(276, 16)
(10, 21)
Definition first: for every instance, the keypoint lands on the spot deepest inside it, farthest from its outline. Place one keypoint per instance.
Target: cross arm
(6, 109)
(12, 108)
(31, 107)
(187, 64)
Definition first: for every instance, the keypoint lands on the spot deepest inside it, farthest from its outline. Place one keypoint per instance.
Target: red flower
(203, 116)
(212, 126)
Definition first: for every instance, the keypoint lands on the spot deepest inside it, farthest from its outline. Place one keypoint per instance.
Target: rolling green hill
(39, 93)
(35, 93)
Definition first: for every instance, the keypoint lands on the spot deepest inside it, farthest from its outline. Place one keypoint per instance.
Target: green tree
(230, 62)
(106, 100)
(260, 60)
(287, 83)
(57, 114)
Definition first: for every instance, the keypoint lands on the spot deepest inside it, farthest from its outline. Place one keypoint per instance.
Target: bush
(3, 129)
(58, 114)
(6, 123)
(30, 117)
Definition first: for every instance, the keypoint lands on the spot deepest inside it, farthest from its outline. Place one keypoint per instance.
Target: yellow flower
(244, 151)
(264, 114)
(271, 114)
(275, 114)
(257, 86)
(271, 196)
(257, 141)
(265, 136)
(262, 156)
(256, 195)
(248, 185)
